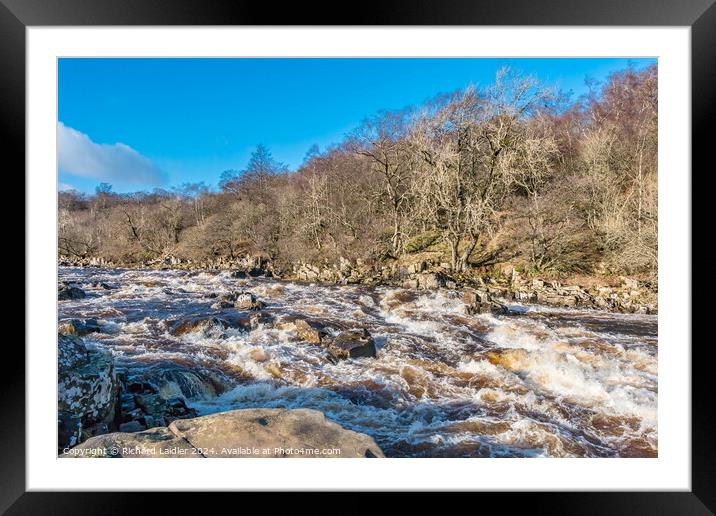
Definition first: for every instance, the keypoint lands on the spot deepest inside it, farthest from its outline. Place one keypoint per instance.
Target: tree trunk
(467, 253)
(454, 253)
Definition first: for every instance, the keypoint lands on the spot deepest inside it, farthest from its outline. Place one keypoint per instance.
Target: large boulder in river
(210, 327)
(352, 344)
(252, 433)
(241, 300)
(215, 327)
(71, 352)
(79, 327)
(308, 332)
(68, 291)
(86, 392)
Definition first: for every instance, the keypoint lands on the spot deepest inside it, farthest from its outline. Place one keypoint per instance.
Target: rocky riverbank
(617, 294)
(103, 412)
(96, 397)
(428, 370)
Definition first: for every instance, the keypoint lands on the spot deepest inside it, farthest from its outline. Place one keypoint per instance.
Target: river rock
(220, 305)
(471, 297)
(430, 280)
(280, 431)
(79, 327)
(131, 426)
(253, 433)
(156, 396)
(227, 297)
(156, 443)
(552, 298)
(352, 344)
(255, 272)
(71, 352)
(176, 384)
(477, 301)
(308, 332)
(212, 327)
(68, 291)
(247, 301)
(242, 300)
(307, 272)
(86, 392)
(521, 295)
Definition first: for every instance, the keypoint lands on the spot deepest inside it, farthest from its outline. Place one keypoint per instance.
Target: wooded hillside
(510, 172)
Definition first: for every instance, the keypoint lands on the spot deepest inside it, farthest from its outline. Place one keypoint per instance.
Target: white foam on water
(436, 366)
(366, 300)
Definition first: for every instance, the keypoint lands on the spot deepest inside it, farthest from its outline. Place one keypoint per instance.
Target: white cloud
(65, 187)
(115, 163)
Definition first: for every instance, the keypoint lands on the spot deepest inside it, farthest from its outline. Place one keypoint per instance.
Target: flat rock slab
(156, 443)
(298, 433)
(274, 433)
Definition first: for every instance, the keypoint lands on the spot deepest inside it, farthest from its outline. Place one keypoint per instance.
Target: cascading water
(546, 382)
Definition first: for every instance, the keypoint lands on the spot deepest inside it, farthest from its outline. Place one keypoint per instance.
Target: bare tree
(383, 140)
(474, 146)
(474, 176)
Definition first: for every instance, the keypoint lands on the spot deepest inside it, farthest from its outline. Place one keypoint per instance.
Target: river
(544, 382)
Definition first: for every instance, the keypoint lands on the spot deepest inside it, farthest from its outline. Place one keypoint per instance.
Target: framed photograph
(455, 239)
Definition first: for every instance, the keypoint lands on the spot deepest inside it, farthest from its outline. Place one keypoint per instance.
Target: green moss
(421, 242)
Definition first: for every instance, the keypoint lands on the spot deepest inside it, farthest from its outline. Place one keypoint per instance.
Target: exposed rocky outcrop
(240, 300)
(243, 266)
(309, 332)
(86, 392)
(215, 327)
(628, 297)
(480, 301)
(103, 285)
(553, 294)
(430, 280)
(159, 395)
(631, 296)
(211, 327)
(79, 327)
(148, 407)
(154, 443)
(247, 301)
(69, 291)
(344, 272)
(352, 344)
(274, 432)
(252, 272)
(422, 273)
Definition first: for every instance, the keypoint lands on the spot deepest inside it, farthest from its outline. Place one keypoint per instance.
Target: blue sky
(145, 123)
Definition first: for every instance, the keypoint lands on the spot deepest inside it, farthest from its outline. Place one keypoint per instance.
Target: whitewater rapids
(544, 383)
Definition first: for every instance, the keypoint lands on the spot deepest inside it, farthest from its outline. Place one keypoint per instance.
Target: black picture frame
(700, 15)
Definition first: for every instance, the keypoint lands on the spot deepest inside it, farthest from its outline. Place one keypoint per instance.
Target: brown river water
(543, 382)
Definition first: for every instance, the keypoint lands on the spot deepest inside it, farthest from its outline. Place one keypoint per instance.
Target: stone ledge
(289, 433)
